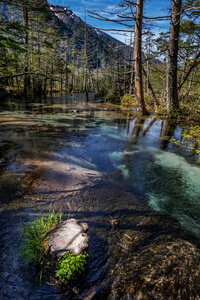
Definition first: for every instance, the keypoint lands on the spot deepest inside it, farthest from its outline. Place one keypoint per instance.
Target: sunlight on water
(117, 157)
(138, 150)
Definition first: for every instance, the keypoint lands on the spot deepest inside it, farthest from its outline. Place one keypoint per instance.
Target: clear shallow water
(48, 136)
(137, 151)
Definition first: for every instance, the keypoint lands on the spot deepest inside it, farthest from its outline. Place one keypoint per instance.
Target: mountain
(69, 19)
(100, 45)
(74, 26)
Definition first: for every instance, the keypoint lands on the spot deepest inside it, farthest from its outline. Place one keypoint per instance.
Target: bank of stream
(123, 176)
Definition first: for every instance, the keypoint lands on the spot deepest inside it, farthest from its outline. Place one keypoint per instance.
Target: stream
(94, 162)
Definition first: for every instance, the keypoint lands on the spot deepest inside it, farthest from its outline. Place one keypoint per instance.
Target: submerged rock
(68, 236)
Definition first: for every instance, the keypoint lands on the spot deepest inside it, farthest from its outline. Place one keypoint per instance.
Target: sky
(152, 8)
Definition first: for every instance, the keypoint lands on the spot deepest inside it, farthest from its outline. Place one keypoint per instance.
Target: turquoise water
(168, 178)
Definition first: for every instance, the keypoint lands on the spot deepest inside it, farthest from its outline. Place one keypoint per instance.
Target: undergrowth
(71, 266)
(128, 100)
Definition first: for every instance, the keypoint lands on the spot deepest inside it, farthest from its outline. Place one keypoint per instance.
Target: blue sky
(152, 8)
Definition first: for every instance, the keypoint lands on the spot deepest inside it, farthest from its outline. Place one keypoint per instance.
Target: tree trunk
(151, 91)
(138, 58)
(25, 22)
(97, 85)
(86, 64)
(91, 78)
(61, 80)
(52, 81)
(73, 63)
(66, 70)
(172, 95)
(125, 72)
(132, 68)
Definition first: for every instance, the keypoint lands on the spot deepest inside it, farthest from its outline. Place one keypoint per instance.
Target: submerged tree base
(68, 236)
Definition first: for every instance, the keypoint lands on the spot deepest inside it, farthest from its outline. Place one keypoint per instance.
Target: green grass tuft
(34, 237)
(34, 249)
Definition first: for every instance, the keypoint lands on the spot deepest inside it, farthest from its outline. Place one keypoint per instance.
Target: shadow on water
(105, 168)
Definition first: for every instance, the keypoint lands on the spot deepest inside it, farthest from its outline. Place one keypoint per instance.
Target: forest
(41, 54)
(104, 134)
(31, 37)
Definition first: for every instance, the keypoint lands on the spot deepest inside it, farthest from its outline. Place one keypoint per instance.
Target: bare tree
(172, 95)
(138, 58)
(132, 12)
(26, 40)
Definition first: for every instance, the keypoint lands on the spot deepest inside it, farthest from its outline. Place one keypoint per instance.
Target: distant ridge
(70, 21)
(69, 18)
(98, 41)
